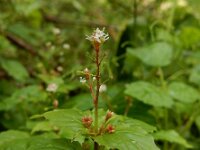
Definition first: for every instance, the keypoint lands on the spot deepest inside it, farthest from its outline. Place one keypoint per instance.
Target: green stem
(163, 83)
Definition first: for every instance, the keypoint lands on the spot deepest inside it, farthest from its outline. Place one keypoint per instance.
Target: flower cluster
(98, 36)
(87, 121)
(52, 87)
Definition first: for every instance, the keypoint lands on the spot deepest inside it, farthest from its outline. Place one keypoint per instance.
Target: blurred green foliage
(152, 65)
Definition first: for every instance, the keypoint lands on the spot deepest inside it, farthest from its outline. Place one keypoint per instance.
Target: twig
(20, 43)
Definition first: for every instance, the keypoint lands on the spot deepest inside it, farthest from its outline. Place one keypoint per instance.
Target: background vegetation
(151, 70)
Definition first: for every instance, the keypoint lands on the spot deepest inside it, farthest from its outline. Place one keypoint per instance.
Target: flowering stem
(97, 38)
(97, 46)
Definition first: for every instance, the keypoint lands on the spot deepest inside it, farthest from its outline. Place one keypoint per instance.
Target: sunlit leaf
(157, 54)
(149, 94)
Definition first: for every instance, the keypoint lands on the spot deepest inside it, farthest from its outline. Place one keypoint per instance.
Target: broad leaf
(129, 135)
(157, 54)
(52, 144)
(149, 94)
(31, 93)
(42, 126)
(69, 123)
(195, 75)
(171, 136)
(183, 92)
(14, 69)
(11, 135)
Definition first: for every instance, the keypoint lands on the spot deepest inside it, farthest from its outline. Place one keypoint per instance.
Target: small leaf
(171, 136)
(14, 69)
(157, 54)
(183, 92)
(149, 94)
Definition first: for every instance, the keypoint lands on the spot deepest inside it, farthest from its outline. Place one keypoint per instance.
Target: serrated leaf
(171, 136)
(40, 143)
(157, 54)
(149, 94)
(183, 92)
(134, 122)
(130, 134)
(69, 123)
(14, 69)
(52, 144)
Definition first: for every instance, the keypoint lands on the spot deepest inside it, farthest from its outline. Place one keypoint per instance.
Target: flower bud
(109, 115)
(87, 121)
(87, 73)
(55, 104)
(110, 128)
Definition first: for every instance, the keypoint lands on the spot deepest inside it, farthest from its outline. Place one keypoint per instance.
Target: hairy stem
(96, 100)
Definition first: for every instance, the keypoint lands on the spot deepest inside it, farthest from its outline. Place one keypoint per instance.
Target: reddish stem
(97, 48)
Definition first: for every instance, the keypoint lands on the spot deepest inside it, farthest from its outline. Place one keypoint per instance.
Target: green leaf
(42, 126)
(52, 144)
(11, 135)
(30, 93)
(69, 123)
(157, 54)
(195, 75)
(197, 122)
(83, 101)
(194, 36)
(6, 48)
(183, 92)
(134, 122)
(129, 135)
(171, 136)
(149, 94)
(39, 143)
(14, 69)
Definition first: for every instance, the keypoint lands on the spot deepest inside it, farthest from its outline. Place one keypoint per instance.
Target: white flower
(166, 5)
(103, 88)
(98, 36)
(82, 80)
(60, 68)
(66, 46)
(86, 70)
(182, 3)
(48, 44)
(94, 78)
(52, 87)
(56, 31)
